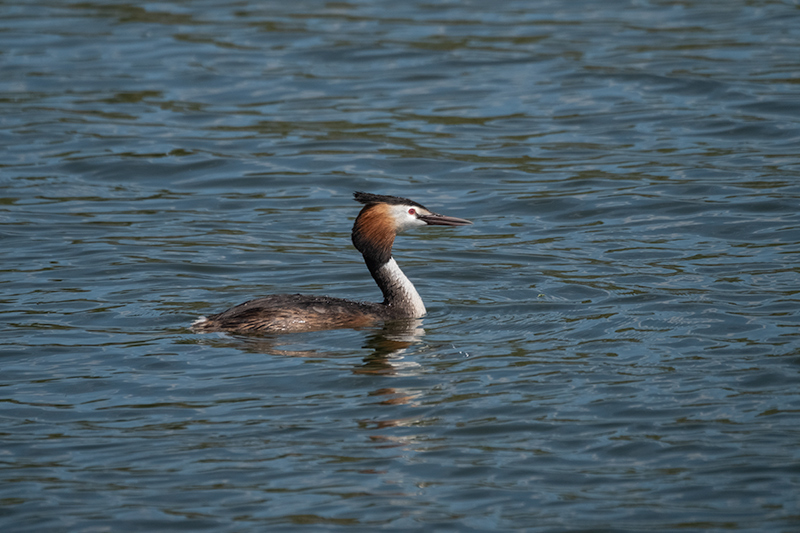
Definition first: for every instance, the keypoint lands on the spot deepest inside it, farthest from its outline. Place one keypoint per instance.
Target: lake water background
(612, 346)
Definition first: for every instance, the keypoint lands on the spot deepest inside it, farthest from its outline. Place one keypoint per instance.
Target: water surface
(612, 346)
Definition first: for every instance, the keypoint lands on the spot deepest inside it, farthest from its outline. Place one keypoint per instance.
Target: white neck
(398, 289)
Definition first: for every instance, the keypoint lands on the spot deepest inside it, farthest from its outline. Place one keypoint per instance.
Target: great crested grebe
(381, 218)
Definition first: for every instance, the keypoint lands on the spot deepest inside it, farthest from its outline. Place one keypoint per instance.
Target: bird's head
(383, 217)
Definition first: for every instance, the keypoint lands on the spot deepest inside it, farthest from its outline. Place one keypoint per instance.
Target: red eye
(412, 211)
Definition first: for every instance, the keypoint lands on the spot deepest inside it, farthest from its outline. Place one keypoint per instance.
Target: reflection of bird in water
(387, 350)
(386, 347)
(373, 235)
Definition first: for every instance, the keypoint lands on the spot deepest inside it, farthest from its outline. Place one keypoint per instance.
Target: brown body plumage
(374, 230)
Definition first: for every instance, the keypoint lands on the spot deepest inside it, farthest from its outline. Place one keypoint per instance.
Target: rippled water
(613, 346)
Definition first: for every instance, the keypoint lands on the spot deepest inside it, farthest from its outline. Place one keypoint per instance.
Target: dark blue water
(613, 346)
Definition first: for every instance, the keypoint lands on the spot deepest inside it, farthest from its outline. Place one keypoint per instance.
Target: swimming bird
(374, 230)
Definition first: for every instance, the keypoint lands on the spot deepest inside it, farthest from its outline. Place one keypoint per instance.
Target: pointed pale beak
(441, 220)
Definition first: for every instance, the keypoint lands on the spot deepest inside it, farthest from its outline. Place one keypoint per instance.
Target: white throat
(402, 288)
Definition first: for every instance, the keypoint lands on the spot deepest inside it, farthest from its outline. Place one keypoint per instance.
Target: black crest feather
(369, 199)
